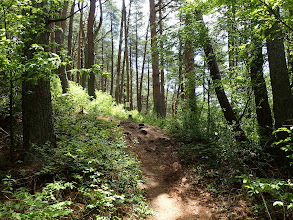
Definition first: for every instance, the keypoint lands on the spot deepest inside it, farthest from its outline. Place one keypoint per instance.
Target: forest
(146, 109)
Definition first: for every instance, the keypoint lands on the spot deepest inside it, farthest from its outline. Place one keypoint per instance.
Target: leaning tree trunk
(37, 117)
(139, 99)
(228, 112)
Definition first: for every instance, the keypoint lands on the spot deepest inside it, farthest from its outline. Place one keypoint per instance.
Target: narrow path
(168, 190)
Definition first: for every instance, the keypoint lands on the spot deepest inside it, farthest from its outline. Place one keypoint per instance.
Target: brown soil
(171, 191)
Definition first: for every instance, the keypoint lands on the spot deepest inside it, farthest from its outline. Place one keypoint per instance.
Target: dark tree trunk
(229, 114)
(37, 118)
(282, 97)
(158, 101)
(90, 48)
(263, 110)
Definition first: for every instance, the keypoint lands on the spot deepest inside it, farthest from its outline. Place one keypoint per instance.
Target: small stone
(144, 132)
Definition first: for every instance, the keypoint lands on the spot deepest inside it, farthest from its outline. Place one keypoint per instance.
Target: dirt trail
(169, 192)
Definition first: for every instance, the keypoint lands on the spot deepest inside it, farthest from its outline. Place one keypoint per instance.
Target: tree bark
(282, 97)
(263, 110)
(90, 48)
(59, 38)
(69, 45)
(139, 100)
(158, 101)
(37, 117)
(119, 54)
(162, 56)
(189, 69)
(228, 112)
(112, 56)
(80, 44)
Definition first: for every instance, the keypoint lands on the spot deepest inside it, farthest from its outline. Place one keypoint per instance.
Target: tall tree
(263, 110)
(282, 96)
(158, 101)
(91, 47)
(36, 96)
(69, 41)
(59, 38)
(162, 73)
(189, 64)
(139, 95)
(119, 53)
(227, 109)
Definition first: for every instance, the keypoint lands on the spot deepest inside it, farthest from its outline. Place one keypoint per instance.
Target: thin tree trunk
(119, 54)
(59, 38)
(69, 45)
(148, 92)
(80, 44)
(162, 56)
(131, 78)
(139, 100)
(136, 61)
(112, 56)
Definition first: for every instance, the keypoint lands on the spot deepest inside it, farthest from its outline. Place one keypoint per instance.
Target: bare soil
(172, 192)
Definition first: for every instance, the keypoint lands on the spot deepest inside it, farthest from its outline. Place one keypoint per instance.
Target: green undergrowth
(90, 174)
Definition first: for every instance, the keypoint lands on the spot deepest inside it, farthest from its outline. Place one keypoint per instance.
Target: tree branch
(65, 18)
(101, 20)
(277, 16)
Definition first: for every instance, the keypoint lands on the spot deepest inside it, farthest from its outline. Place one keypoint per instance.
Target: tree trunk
(80, 44)
(37, 117)
(119, 54)
(263, 110)
(282, 97)
(158, 102)
(189, 69)
(229, 114)
(139, 100)
(136, 62)
(112, 55)
(148, 92)
(131, 78)
(162, 56)
(59, 38)
(69, 45)
(90, 48)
